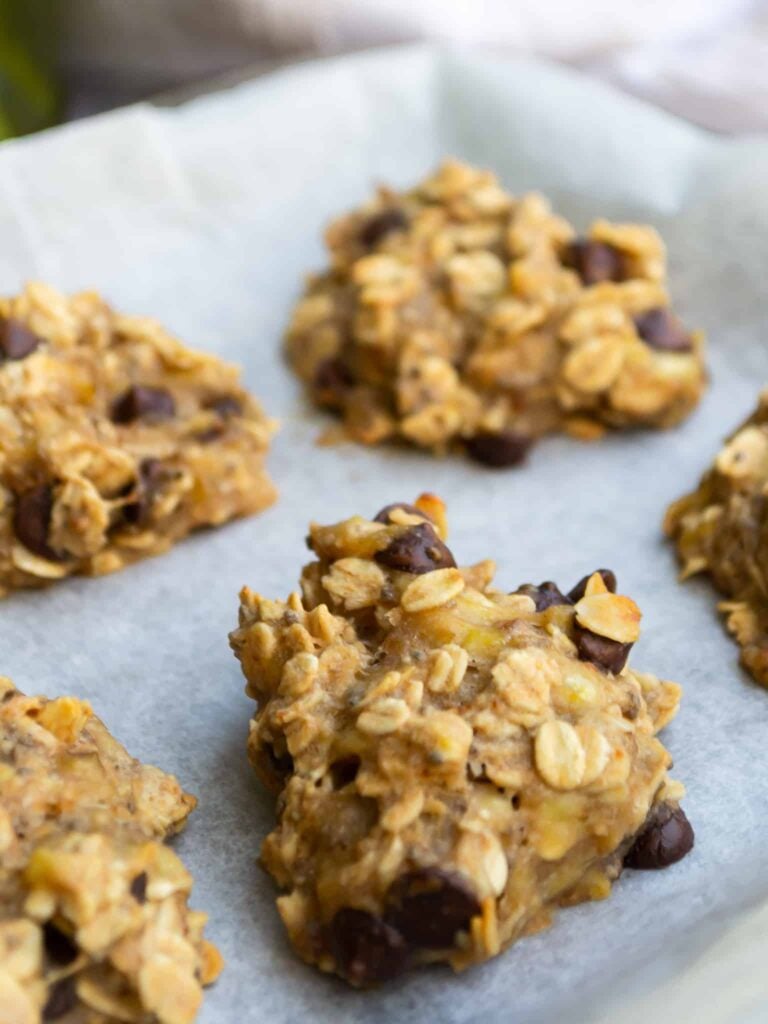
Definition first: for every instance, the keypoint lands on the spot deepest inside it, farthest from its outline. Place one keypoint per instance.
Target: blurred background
(706, 60)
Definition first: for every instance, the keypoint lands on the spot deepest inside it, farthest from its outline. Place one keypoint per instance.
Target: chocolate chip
(609, 579)
(32, 520)
(152, 474)
(207, 436)
(666, 838)
(61, 999)
(366, 949)
(429, 906)
(225, 406)
(417, 550)
(383, 515)
(545, 595)
(16, 340)
(594, 261)
(331, 382)
(59, 947)
(139, 402)
(138, 887)
(344, 771)
(380, 225)
(507, 448)
(607, 654)
(661, 329)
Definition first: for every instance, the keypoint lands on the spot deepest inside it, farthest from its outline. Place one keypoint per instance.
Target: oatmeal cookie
(115, 440)
(453, 762)
(94, 922)
(456, 315)
(721, 528)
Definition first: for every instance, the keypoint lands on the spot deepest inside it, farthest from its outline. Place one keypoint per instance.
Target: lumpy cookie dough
(456, 315)
(94, 922)
(453, 762)
(115, 439)
(720, 529)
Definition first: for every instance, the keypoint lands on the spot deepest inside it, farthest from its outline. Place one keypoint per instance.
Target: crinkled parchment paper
(206, 216)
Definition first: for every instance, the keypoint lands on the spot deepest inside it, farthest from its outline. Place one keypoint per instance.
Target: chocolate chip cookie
(94, 922)
(452, 762)
(720, 529)
(455, 315)
(115, 440)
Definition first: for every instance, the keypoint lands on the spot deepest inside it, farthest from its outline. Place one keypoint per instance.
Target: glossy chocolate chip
(59, 947)
(16, 340)
(609, 655)
(366, 949)
(61, 999)
(383, 515)
(138, 887)
(331, 382)
(152, 474)
(139, 402)
(429, 906)
(380, 225)
(609, 579)
(594, 261)
(545, 595)
(225, 406)
(417, 550)
(32, 520)
(661, 329)
(507, 448)
(665, 839)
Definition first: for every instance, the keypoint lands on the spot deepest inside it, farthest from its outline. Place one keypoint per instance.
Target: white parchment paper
(206, 217)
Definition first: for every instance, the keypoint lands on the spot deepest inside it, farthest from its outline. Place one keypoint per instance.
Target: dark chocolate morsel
(607, 654)
(594, 261)
(609, 579)
(32, 520)
(61, 999)
(429, 906)
(225, 406)
(152, 474)
(507, 448)
(16, 340)
(138, 887)
(366, 949)
(331, 381)
(417, 550)
(383, 515)
(59, 947)
(380, 225)
(661, 329)
(545, 595)
(140, 402)
(666, 838)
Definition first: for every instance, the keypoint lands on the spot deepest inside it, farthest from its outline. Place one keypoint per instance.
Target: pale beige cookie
(453, 762)
(115, 440)
(94, 922)
(720, 529)
(457, 315)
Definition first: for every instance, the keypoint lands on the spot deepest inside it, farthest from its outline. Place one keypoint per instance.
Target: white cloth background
(703, 59)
